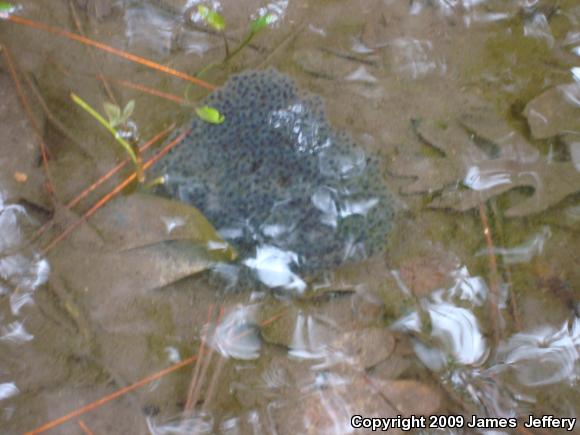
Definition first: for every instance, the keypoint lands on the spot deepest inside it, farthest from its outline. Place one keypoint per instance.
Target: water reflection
(483, 179)
(199, 424)
(14, 333)
(543, 356)
(22, 270)
(454, 331)
(524, 252)
(415, 59)
(273, 267)
(236, 335)
(538, 27)
(150, 27)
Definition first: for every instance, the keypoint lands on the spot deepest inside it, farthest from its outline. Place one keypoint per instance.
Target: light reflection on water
(544, 356)
(394, 64)
(455, 329)
(22, 272)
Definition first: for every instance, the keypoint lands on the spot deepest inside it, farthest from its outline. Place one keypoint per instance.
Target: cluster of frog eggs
(275, 173)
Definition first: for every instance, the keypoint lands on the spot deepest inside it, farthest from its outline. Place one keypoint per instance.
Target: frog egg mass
(274, 177)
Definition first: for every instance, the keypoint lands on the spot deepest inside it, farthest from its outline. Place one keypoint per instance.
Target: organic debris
(147, 242)
(481, 157)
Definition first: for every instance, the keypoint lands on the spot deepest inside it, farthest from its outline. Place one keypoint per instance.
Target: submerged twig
(21, 94)
(119, 188)
(494, 277)
(508, 274)
(49, 115)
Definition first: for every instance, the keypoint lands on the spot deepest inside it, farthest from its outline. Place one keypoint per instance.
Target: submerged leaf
(210, 115)
(128, 110)
(259, 23)
(113, 113)
(143, 242)
(144, 220)
(213, 18)
(479, 157)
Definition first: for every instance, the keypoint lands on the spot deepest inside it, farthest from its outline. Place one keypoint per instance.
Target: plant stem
(128, 148)
(239, 47)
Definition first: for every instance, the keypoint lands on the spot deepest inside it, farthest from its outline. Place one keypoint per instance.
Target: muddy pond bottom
(275, 179)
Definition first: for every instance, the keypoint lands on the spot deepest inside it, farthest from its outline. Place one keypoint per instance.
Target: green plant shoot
(213, 18)
(6, 8)
(210, 115)
(126, 146)
(264, 21)
(257, 25)
(116, 117)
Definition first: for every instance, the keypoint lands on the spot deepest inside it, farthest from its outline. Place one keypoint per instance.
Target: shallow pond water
(123, 311)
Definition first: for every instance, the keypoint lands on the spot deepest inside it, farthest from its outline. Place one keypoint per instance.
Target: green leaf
(259, 23)
(210, 114)
(213, 18)
(86, 106)
(113, 112)
(128, 111)
(6, 7)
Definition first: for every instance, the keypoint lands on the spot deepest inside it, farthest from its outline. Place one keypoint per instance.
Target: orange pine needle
(105, 177)
(122, 391)
(111, 195)
(205, 366)
(118, 167)
(85, 429)
(111, 50)
(194, 379)
(151, 91)
(273, 318)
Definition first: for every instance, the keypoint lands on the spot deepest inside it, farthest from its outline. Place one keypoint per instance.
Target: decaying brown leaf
(482, 157)
(145, 242)
(140, 220)
(555, 111)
